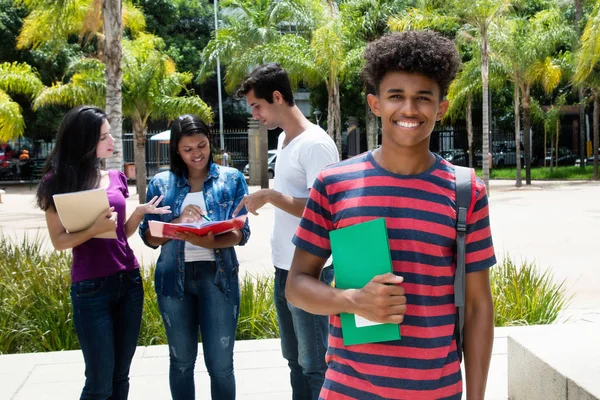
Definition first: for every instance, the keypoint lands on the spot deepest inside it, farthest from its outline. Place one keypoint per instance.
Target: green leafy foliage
(525, 294)
(35, 305)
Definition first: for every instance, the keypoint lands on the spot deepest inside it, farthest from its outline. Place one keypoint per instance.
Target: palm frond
(589, 53)
(20, 78)
(169, 107)
(133, 18)
(416, 19)
(12, 123)
(70, 94)
(547, 72)
(54, 21)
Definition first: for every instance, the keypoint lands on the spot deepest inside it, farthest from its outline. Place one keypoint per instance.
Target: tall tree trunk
(113, 27)
(551, 158)
(470, 128)
(557, 141)
(139, 155)
(485, 148)
(596, 130)
(519, 181)
(545, 143)
(582, 138)
(580, 92)
(338, 118)
(526, 101)
(372, 123)
(333, 113)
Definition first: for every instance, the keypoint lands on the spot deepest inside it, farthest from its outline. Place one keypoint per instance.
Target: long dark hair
(72, 166)
(186, 125)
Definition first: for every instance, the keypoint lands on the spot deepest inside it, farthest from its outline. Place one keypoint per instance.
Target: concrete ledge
(554, 362)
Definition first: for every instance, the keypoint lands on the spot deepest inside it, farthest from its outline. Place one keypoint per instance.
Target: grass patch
(35, 306)
(542, 174)
(525, 295)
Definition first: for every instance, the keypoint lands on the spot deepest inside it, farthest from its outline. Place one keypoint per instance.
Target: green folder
(361, 252)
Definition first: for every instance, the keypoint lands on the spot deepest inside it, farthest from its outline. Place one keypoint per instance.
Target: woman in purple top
(106, 290)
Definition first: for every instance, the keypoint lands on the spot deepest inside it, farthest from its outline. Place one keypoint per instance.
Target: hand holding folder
(361, 253)
(80, 210)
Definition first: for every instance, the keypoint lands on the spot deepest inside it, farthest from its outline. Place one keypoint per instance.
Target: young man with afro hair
(414, 190)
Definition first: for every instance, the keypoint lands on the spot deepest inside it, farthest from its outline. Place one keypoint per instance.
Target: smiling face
(106, 143)
(409, 105)
(194, 151)
(265, 112)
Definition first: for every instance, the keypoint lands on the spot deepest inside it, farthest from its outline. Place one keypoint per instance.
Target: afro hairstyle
(420, 52)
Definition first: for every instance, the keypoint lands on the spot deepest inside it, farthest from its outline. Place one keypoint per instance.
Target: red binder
(200, 228)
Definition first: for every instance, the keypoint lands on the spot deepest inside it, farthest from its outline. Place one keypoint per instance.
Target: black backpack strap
(463, 202)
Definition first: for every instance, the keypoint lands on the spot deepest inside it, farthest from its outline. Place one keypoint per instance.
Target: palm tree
(462, 91)
(315, 54)
(479, 14)
(53, 22)
(246, 24)
(20, 79)
(550, 117)
(151, 90)
(363, 22)
(526, 49)
(588, 72)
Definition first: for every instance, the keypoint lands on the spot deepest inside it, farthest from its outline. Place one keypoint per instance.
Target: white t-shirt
(192, 252)
(296, 169)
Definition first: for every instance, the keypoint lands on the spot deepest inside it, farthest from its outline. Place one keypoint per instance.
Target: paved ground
(261, 373)
(553, 223)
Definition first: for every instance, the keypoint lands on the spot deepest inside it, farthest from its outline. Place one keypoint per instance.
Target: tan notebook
(78, 210)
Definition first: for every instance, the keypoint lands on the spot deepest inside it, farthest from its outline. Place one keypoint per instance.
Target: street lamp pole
(317, 114)
(216, 2)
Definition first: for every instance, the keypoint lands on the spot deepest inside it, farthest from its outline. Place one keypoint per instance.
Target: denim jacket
(223, 190)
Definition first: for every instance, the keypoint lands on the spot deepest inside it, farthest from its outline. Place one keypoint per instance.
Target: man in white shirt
(303, 150)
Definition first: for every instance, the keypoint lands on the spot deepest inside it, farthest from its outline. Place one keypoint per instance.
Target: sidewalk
(261, 373)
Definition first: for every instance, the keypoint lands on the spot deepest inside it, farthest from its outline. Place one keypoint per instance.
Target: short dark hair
(186, 125)
(421, 52)
(73, 165)
(264, 80)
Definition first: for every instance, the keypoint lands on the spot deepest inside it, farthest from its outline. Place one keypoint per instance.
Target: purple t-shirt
(98, 258)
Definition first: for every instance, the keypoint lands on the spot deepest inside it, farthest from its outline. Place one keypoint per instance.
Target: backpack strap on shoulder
(463, 202)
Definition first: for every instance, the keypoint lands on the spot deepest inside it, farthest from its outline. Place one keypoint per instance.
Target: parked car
(587, 161)
(456, 157)
(505, 153)
(272, 157)
(565, 157)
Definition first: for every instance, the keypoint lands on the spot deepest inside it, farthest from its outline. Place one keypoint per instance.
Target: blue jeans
(205, 309)
(303, 340)
(107, 313)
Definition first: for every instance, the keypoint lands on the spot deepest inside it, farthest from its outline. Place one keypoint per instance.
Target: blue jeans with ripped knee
(206, 310)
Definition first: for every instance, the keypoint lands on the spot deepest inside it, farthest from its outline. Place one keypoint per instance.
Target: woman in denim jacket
(197, 276)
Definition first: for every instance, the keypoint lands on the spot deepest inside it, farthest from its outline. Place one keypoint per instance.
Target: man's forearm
(313, 296)
(289, 204)
(478, 343)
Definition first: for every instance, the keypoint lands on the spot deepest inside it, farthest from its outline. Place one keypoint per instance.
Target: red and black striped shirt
(421, 218)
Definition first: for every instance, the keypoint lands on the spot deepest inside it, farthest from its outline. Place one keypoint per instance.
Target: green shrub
(524, 295)
(35, 306)
(258, 318)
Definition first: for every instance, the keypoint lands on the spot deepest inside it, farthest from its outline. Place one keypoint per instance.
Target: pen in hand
(206, 217)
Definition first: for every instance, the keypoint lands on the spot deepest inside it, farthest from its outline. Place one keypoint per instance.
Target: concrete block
(529, 378)
(554, 362)
(576, 392)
